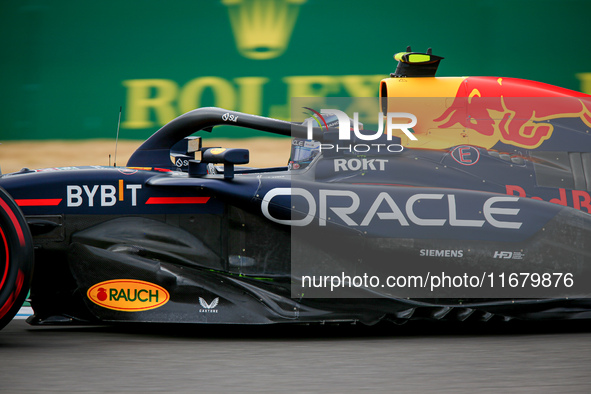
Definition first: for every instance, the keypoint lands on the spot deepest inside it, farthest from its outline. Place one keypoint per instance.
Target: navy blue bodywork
(223, 254)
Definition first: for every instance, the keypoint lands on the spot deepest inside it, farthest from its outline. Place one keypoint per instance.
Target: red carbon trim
(17, 226)
(38, 202)
(12, 298)
(177, 200)
(7, 258)
(383, 184)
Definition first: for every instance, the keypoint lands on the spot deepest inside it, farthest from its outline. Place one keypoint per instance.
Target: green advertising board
(69, 65)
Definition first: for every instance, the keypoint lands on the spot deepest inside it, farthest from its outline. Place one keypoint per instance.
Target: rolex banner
(69, 65)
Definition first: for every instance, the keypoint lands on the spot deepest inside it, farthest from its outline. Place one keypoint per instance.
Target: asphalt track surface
(516, 358)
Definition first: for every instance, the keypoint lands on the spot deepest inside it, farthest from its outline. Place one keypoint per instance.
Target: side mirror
(229, 157)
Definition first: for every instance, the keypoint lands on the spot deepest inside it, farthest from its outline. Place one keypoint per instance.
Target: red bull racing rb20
(470, 202)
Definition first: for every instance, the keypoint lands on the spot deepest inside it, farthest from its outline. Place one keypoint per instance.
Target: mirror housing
(227, 157)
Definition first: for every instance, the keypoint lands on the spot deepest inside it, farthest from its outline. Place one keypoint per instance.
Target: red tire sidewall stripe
(14, 296)
(7, 258)
(17, 225)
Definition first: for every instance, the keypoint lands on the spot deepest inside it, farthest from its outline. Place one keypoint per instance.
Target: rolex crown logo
(262, 28)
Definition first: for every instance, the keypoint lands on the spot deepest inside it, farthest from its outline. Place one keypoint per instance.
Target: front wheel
(16, 258)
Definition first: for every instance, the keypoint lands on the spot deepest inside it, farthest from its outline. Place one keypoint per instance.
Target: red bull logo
(513, 111)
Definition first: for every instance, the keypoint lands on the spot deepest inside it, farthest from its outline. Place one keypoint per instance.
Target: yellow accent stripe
(422, 87)
(399, 55)
(120, 189)
(418, 58)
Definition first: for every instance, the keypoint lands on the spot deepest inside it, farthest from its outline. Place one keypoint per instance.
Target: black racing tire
(16, 258)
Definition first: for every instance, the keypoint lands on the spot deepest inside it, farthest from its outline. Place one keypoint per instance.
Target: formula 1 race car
(476, 209)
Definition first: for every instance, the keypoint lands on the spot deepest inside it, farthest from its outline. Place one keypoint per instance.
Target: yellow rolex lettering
(154, 102)
(251, 94)
(223, 93)
(305, 86)
(585, 79)
(312, 85)
(149, 95)
(361, 85)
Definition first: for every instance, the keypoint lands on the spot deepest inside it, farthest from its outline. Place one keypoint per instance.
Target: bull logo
(515, 114)
(262, 28)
